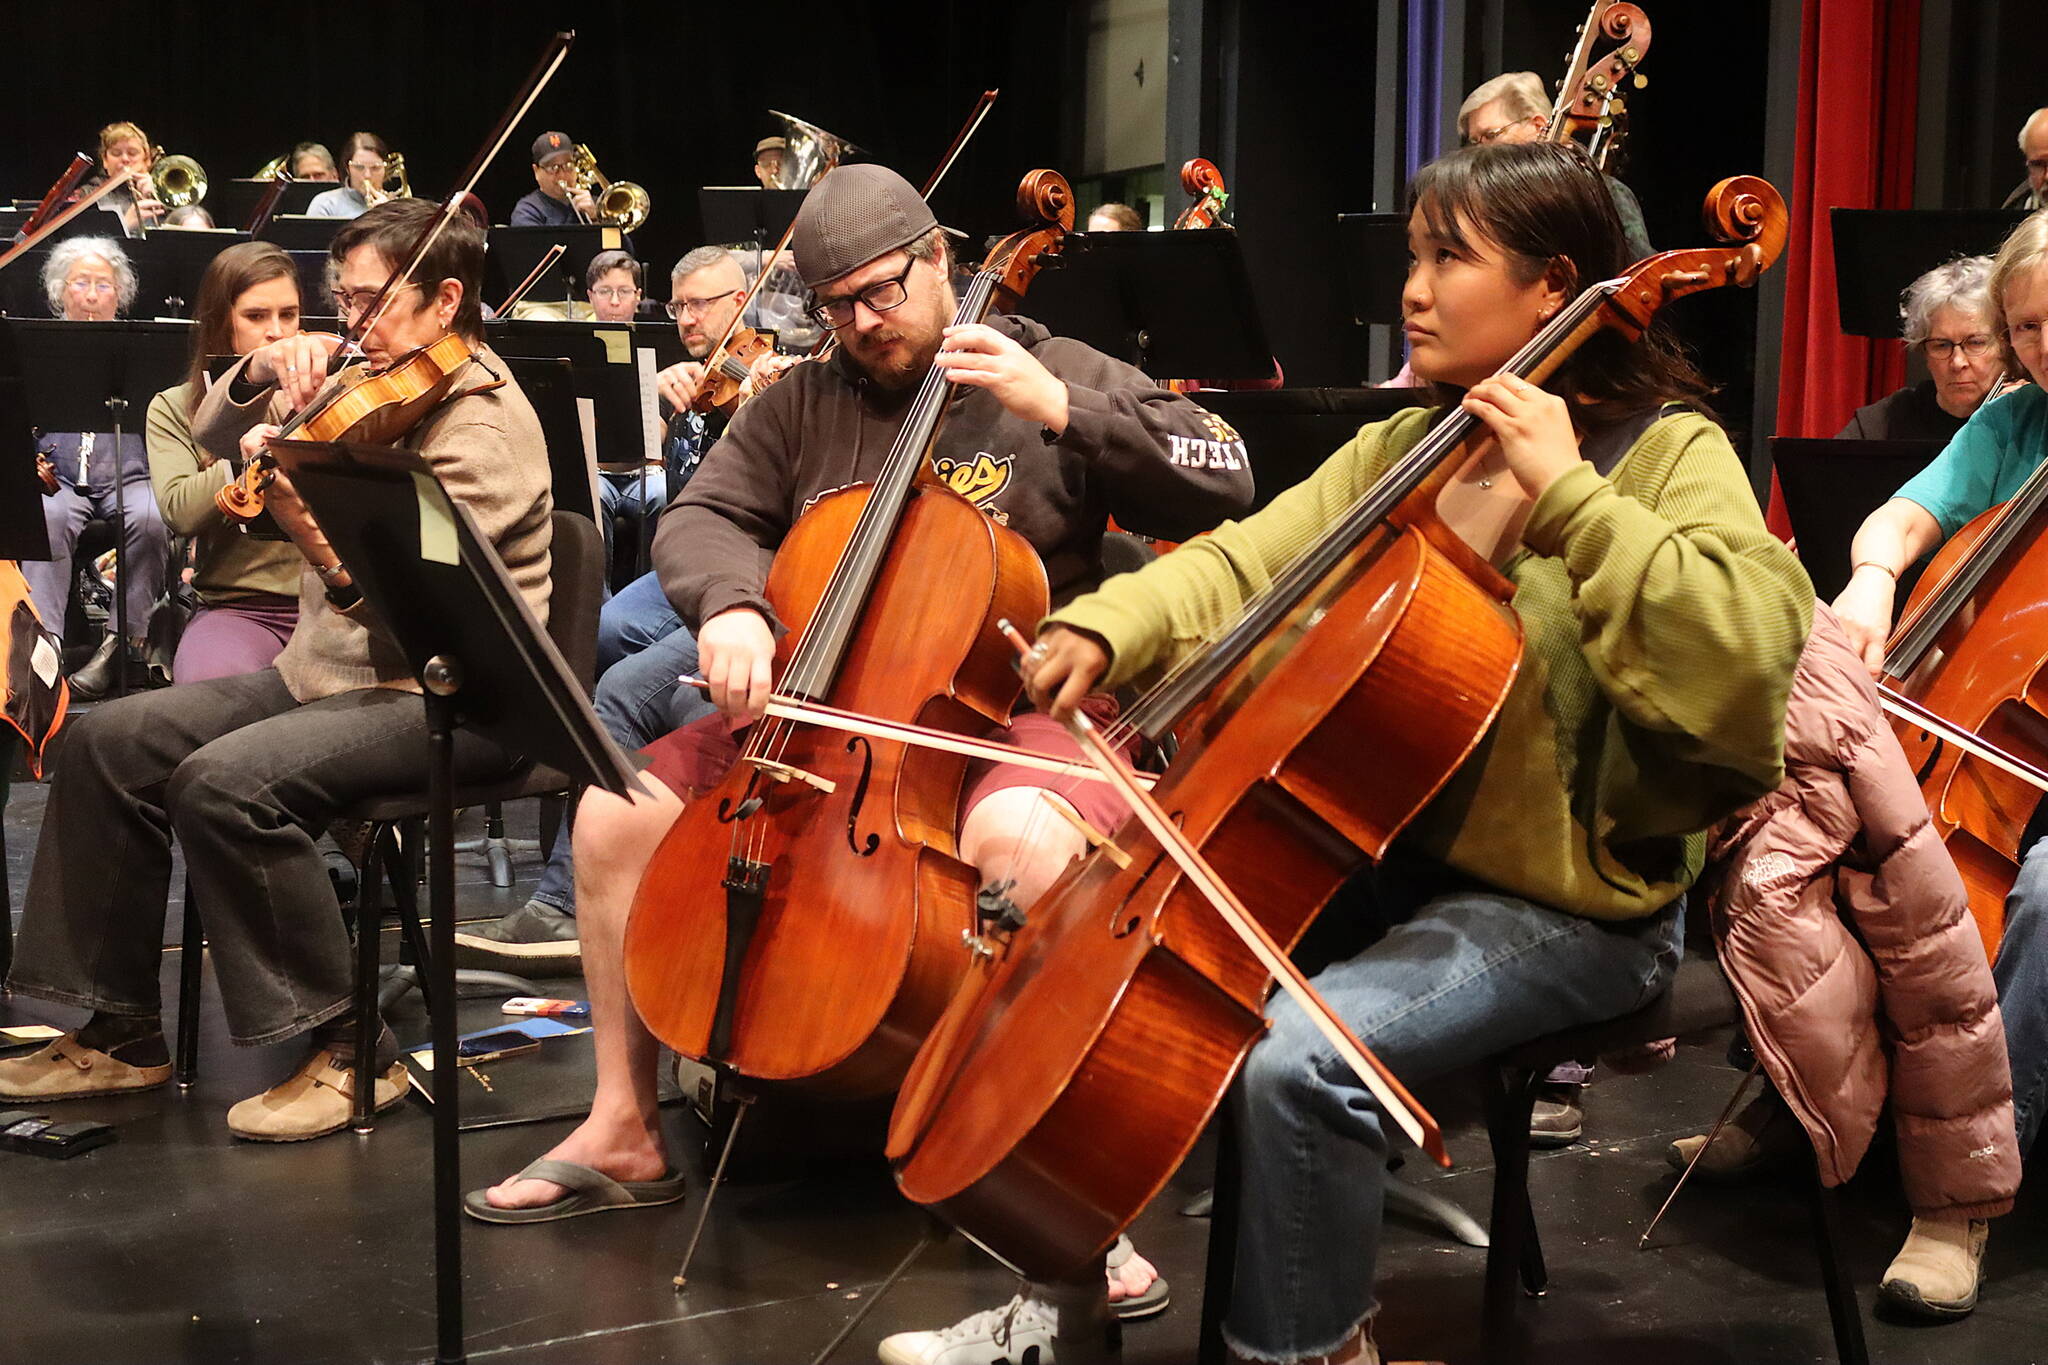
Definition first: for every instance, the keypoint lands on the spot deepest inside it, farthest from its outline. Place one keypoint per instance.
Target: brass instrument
(395, 184)
(178, 180)
(269, 169)
(615, 203)
(811, 152)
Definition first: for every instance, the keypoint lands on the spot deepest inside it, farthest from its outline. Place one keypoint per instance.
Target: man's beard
(906, 365)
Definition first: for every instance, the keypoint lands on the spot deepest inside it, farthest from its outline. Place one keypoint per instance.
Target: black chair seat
(537, 780)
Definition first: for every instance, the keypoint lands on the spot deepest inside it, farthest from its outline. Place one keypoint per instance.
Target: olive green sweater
(231, 566)
(1663, 623)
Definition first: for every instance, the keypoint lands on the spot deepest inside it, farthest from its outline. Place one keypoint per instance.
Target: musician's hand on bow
(975, 353)
(736, 655)
(679, 384)
(1532, 425)
(296, 364)
(765, 371)
(1061, 668)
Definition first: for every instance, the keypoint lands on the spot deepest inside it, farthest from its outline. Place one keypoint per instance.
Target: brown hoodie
(1152, 459)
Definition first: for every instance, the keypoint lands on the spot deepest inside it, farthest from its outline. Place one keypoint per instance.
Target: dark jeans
(247, 778)
(143, 557)
(2021, 971)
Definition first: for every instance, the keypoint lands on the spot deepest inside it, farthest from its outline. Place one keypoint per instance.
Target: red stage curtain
(1858, 96)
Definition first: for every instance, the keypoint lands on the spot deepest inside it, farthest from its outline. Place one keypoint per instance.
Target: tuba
(615, 203)
(395, 184)
(179, 180)
(269, 169)
(811, 152)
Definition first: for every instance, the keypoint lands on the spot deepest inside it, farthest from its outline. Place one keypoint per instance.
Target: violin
(1052, 1106)
(1591, 108)
(828, 980)
(1200, 178)
(720, 391)
(368, 405)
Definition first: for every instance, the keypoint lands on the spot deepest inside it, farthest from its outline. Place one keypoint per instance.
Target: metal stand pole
(441, 679)
(117, 407)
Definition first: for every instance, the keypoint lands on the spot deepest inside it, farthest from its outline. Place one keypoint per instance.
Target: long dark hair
(1547, 206)
(240, 267)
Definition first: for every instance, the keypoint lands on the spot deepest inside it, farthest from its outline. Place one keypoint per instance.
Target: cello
(891, 592)
(1116, 1018)
(1966, 681)
(1591, 108)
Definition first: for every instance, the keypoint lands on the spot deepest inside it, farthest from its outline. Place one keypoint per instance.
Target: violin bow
(266, 206)
(544, 71)
(512, 299)
(1393, 1097)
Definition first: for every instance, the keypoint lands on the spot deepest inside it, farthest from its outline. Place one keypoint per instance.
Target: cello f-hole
(863, 848)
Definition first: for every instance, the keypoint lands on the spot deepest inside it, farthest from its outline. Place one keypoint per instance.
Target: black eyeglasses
(880, 297)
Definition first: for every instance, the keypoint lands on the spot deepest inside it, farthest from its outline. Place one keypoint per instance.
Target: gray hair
(304, 149)
(1964, 283)
(69, 252)
(1520, 94)
(2026, 127)
(703, 258)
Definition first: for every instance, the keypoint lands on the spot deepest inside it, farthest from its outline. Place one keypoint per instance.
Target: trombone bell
(179, 180)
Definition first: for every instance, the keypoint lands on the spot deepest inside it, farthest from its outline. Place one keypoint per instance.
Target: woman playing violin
(248, 770)
(1543, 887)
(248, 588)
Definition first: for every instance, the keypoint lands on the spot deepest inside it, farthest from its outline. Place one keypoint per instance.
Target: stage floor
(180, 1244)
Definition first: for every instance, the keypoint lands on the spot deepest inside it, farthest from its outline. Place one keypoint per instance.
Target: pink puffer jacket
(1843, 851)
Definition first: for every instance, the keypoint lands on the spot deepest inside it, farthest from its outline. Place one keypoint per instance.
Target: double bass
(803, 919)
(1047, 1112)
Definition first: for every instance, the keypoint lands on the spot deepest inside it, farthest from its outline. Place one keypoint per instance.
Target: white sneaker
(1018, 1333)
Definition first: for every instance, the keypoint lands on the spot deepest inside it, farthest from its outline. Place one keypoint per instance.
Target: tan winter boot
(1935, 1273)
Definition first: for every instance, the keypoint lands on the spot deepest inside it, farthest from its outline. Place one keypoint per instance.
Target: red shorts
(699, 754)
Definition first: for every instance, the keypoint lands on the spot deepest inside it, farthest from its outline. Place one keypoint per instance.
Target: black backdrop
(670, 95)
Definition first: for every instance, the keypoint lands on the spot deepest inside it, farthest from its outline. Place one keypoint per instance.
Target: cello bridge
(783, 772)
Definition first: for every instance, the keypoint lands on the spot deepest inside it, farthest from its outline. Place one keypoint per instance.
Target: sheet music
(650, 407)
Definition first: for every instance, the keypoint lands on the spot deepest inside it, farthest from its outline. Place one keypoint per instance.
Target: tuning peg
(1617, 106)
(1642, 81)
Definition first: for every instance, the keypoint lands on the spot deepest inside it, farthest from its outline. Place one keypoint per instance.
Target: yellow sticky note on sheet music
(437, 522)
(618, 346)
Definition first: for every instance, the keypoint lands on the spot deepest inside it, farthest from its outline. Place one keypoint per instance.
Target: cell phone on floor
(495, 1046)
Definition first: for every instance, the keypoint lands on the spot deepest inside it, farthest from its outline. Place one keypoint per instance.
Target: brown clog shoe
(65, 1070)
(314, 1101)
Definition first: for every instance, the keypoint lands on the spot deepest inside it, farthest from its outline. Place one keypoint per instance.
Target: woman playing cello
(1543, 887)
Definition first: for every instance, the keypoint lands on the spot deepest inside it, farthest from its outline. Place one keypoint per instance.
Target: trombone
(615, 203)
(178, 180)
(394, 185)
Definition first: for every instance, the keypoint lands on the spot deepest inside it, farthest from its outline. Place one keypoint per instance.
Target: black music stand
(82, 375)
(1290, 432)
(1830, 486)
(549, 383)
(301, 232)
(101, 220)
(484, 662)
(747, 213)
(169, 263)
(1171, 303)
(23, 534)
(515, 251)
(1878, 252)
(232, 202)
(1374, 257)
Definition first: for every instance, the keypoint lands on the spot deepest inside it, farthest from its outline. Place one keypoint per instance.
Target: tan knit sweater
(1663, 623)
(487, 450)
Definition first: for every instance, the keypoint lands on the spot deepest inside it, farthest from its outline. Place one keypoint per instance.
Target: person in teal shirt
(1990, 459)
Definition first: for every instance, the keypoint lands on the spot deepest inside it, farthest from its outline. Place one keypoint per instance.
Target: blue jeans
(638, 702)
(2021, 972)
(635, 618)
(1459, 972)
